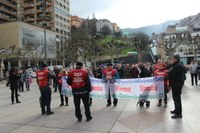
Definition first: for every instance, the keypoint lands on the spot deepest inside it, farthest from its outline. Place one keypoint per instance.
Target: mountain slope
(150, 29)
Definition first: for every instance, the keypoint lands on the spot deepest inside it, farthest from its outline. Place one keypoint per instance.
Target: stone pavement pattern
(125, 118)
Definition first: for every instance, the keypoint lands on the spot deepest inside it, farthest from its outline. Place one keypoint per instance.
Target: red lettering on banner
(148, 88)
(124, 89)
(97, 88)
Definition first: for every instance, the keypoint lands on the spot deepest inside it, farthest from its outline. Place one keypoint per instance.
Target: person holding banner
(176, 81)
(62, 73)
(79, 80)
(162, 72)
(109, 76)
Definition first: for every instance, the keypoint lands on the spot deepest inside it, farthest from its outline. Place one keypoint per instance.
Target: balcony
(2, 9)
(27, 12)
(9, 4)
(29, 19)
(29, 5)
(5, 17)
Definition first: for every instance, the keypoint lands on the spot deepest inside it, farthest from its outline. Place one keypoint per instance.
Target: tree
(111, 45)
(105, 30)
(141, 43)
(169, 42)
(193, 42)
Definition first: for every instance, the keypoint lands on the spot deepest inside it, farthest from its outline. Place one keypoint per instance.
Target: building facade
(8, 11)
(188, 50)
(29, 44)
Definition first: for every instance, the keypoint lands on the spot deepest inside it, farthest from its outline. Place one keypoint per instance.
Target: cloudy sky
(135, 13)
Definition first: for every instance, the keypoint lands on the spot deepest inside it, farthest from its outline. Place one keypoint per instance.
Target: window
(57, 30)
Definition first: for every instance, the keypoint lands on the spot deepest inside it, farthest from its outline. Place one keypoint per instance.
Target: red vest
(78, 77)
(42, 77)
(162, 73)
(109, 73)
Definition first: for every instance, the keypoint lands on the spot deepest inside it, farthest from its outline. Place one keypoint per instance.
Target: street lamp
(44, 26)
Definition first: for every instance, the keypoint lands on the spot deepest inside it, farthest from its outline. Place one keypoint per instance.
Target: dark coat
(14, 80)
(176, 75)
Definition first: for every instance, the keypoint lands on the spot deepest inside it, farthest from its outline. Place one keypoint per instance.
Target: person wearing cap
(162, 72)
(79, 80)
(43, 76)
(176, 81)
(109, 76)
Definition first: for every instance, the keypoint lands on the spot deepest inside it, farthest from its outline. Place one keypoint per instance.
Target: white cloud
(136, 13)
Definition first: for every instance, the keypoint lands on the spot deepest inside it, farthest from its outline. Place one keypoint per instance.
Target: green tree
(141, 43)
(111, 46)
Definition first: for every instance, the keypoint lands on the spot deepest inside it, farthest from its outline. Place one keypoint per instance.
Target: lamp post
(44, 26)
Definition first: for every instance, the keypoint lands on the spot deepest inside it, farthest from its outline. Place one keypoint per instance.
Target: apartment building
(76, 21)
(8, 11)
(53, 14)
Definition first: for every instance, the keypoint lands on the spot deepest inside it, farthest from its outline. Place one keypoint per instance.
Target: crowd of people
(78, 78)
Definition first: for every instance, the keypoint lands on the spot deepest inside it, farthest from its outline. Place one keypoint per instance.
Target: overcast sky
(135, 13)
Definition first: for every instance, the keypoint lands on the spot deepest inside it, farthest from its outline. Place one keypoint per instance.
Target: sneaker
(61, 104)
(88, 119)
(18, 102)
(50, 113)
(176, 116)
(66, 104)
(115, 105)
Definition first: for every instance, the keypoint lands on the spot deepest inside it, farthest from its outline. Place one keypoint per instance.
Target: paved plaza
(125, 118)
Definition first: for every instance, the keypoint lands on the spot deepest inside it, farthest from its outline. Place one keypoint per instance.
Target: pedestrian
(193, 72)
(27, 77)
(14, 77)
(62, 73)
(176, 81)
(79, 80)
(56, 71)
(162, 72)
(43, 76)
(90, 75)
(109, 77)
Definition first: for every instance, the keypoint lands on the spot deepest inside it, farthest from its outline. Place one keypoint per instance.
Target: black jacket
(14, 80)
(176, 75)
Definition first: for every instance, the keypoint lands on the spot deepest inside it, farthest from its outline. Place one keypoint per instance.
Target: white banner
(140, 88)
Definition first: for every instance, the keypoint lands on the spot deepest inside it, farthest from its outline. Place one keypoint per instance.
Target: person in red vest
(161, 71)
(109, 76)
(43, 76)
(79, 80)
(62, 73)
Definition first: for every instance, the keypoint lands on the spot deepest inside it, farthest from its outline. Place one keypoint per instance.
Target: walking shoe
(176, 116)
(115, 105)
(50, 113)
(79, 119)
(159, 104)
(173, 112)
(67, 104)
(165, 106)
(89, 118)
(61, 104)
(43, 113)
(18, 102)
(108, 105)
